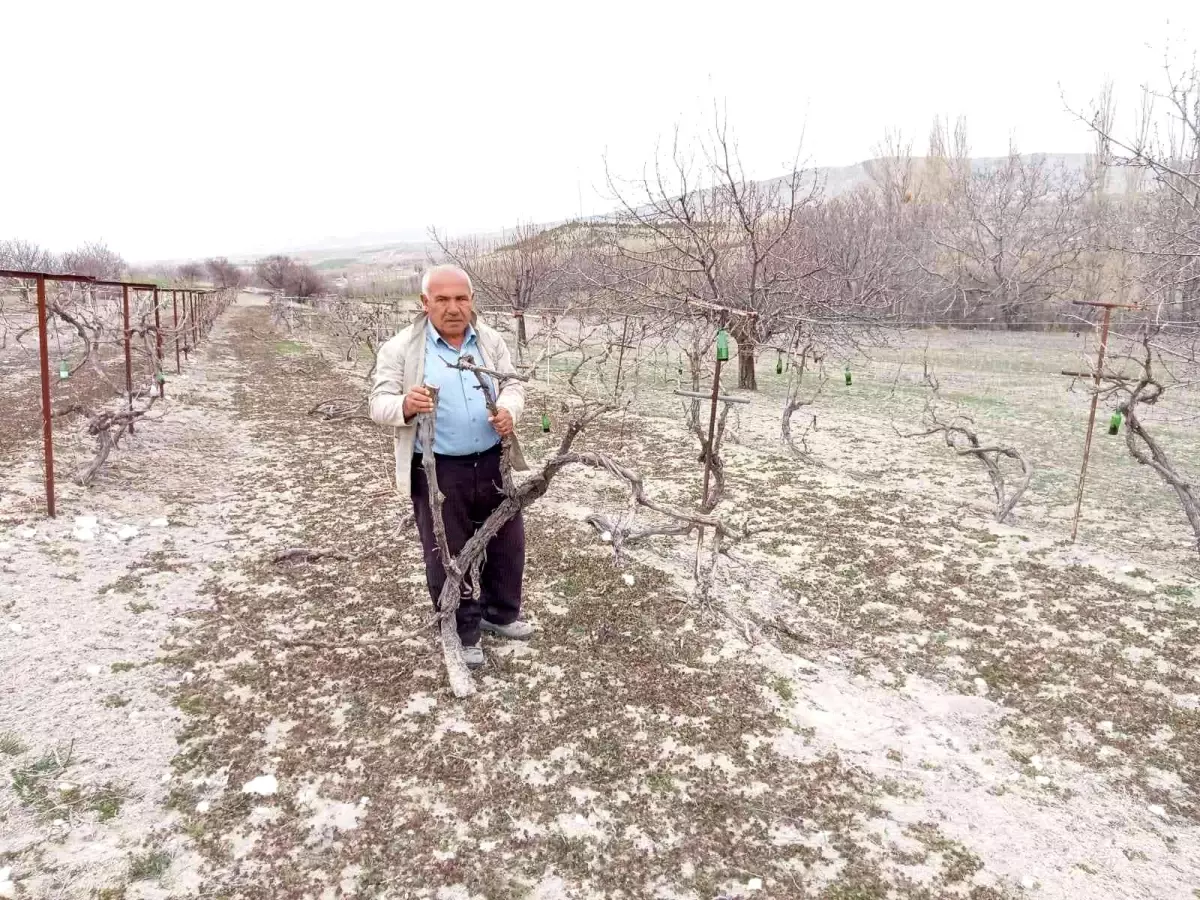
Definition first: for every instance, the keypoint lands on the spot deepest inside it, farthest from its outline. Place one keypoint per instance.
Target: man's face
(448, 304)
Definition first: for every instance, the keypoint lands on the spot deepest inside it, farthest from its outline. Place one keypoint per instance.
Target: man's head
(446, 295)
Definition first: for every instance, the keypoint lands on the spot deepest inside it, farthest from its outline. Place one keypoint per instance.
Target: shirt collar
(438, 339)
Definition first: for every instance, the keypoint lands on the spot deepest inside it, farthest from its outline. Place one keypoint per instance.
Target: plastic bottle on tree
(723, 345)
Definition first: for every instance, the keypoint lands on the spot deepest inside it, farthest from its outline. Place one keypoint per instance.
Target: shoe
(473, 656)
(519, 630)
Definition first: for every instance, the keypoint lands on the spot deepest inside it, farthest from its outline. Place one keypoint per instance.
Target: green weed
(11, 744)
(149, 865)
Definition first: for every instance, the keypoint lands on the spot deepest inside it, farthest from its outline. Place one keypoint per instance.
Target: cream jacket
(400, 366)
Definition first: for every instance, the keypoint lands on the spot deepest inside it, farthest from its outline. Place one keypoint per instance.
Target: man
(466, 447)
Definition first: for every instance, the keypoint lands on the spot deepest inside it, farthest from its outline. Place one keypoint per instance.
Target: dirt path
(640, 747)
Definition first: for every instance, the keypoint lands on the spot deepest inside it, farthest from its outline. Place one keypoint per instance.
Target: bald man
(466, 447)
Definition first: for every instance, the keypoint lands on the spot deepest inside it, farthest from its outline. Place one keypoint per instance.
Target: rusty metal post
(1087, 443)
(195, 324)
(187, 327)
(128, 356)
(175, 325)
(47, 421)
(158, 375)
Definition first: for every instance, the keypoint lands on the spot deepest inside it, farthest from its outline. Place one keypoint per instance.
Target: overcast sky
(185, 129)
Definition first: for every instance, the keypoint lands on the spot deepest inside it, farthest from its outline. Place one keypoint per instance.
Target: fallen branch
(340, 408)
(307, 555)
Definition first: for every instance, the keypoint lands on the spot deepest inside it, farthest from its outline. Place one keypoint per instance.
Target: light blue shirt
(462, 416)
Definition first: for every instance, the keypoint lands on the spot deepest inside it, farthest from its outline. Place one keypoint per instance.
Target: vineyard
(84, 359)
(874, 688)
(862, 538)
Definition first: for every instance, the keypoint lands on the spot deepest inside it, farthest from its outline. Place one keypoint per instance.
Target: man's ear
(424, 303)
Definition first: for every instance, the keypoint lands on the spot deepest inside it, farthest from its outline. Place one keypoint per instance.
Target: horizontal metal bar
(699, 396)
(131, 284)
(1102, 304)
(10, 273)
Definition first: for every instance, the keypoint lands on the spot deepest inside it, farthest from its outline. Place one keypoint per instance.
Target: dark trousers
(470, 486)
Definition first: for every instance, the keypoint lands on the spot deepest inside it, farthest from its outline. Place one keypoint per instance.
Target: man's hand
(417, 401)
(502, 421)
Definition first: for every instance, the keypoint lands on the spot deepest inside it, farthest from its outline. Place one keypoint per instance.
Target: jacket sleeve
(512, 395)
(387, 390)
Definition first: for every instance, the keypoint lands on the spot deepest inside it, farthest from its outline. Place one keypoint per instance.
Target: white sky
(173, 129)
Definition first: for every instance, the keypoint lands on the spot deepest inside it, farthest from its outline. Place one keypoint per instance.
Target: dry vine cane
(464, 569)
(796, 401)
(962, 428)
(1146, 389)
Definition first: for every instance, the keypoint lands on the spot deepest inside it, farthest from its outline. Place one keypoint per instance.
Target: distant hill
(837, 180)
(400, 249)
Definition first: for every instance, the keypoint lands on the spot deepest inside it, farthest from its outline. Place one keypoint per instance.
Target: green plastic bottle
(779, 365)
(159, 378)
(545, 422)
(63, 372)
(723, 345)
(1114, 424)
(849, 377)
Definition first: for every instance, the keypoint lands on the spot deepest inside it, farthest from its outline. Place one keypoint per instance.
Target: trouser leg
(504, 567)
(457, 487)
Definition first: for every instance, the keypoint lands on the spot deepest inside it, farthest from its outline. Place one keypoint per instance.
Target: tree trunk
(747, 378)
(522, 339)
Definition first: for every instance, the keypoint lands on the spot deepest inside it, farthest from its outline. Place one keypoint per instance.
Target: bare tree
(275, 271)
(307, 281)
(26, 256)
(190, 272)
(222, 273)
(95, 259)
(1009, 236)
(707, 238)
(292, 277)
(521, 271)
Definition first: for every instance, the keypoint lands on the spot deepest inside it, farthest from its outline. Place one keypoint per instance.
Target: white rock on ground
(159, 523)
(127, 532)
(263, 785)
(981, 687)
(628, 579)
